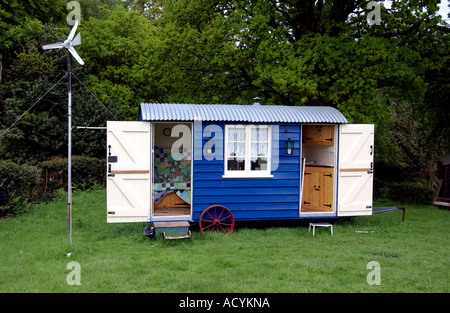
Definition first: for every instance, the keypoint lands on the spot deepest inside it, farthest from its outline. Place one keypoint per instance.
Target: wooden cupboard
(318, 134)
(318, 189)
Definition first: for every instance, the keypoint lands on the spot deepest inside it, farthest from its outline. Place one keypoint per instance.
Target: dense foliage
(394, 73)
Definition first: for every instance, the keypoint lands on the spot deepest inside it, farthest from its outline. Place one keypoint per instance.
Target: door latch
(111, 158)
(109, 171)
(371, 168)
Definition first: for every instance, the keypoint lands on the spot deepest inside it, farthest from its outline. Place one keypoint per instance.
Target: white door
(355, 180)
(128, 185)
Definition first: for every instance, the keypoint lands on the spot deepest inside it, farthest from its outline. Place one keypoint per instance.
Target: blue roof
(255, 113)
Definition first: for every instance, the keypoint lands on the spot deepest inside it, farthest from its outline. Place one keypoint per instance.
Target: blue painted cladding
(248, 198)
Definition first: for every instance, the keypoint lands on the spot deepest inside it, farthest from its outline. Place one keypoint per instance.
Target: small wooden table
(320, 225)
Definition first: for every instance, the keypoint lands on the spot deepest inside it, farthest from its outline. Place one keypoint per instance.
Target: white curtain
(236, 143)
(237, 140)
(259, 143)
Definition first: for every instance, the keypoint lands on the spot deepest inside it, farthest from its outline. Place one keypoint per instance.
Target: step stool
(172, 230)
(320, 225)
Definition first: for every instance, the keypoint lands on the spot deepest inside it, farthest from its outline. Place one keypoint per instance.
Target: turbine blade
(77, 40)
(55, 45)
(75, 55)
(72, 32)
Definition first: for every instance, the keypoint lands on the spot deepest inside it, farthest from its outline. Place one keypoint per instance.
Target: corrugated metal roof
(255, 113)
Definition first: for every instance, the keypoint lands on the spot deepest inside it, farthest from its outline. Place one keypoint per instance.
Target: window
(247, 151)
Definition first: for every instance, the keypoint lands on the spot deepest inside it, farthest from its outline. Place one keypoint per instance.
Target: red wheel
(218, 218)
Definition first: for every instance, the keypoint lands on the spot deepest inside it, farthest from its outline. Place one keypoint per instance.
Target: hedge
(404, 192)
(21, 184)
(86, 171)
(18, 183)
(410, 193)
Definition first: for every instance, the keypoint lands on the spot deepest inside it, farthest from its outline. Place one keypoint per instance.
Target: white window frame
(247, 172)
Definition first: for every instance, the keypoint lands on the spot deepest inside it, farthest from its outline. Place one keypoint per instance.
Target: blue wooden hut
(216, 164)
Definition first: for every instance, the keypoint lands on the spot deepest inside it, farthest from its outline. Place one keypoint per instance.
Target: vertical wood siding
(249, 198)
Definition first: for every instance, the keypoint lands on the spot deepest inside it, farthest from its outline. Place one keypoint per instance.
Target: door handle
(109, 171)
(371, 168)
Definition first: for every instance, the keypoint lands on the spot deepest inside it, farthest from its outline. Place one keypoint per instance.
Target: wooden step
(172, 229)
(188, 236)
(171, 224)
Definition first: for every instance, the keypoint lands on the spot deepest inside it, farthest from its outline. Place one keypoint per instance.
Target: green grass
(413, 256)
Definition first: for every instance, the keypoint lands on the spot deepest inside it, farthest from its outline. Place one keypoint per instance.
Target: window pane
(236, 134)
(259, 134)
(260, 164)
(259, 149)
(236, 149)
(235, 165)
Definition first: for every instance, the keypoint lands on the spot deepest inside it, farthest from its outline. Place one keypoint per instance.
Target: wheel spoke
(224, 218)
(223, 210)
(222, 229)
(212, 224)
(216, 217)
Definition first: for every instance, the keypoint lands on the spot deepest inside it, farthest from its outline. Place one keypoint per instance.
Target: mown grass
(277, 257)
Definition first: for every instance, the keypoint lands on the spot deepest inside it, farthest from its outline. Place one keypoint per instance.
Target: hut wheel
(216, 218)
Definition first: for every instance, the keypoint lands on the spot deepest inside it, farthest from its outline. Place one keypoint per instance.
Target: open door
(128, 186)
(355, 180)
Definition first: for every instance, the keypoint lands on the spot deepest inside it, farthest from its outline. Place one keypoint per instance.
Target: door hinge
(304, 202)
(329, 175)
(328, 205)
(111, 212)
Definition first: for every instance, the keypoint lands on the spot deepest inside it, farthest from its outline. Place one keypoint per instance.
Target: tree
(310, 53)
(19, 20)
(117, 49)
(42, 131)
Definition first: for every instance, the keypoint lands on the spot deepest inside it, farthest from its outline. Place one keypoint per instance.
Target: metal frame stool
(320, 225)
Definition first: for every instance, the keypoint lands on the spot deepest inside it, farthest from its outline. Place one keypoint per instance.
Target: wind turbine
(69, 44)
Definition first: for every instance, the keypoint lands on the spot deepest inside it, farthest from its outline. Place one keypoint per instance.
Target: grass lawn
(413, 256)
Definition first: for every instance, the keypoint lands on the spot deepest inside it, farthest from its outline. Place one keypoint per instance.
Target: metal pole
(69, 152)
(88, 127)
